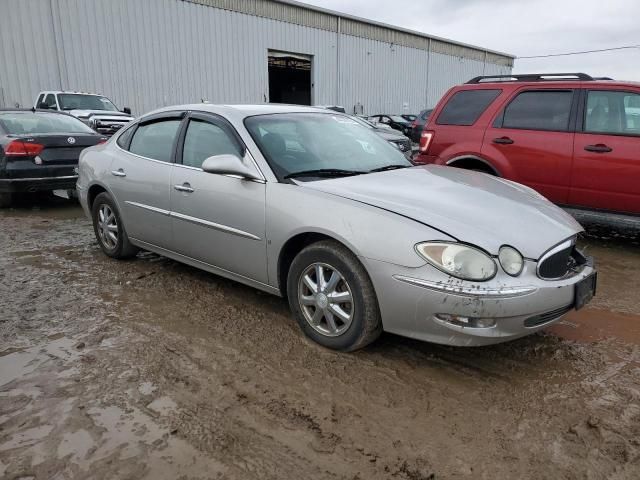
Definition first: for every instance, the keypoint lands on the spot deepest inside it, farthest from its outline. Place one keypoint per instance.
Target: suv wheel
(109, 229)
(332, 297)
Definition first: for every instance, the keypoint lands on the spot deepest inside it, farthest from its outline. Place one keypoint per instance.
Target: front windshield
(27, 123)
(299, 142)
(76, 101)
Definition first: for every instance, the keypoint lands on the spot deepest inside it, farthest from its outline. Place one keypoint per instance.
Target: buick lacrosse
(315, 207)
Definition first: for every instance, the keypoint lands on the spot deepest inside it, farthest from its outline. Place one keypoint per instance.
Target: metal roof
(293, 11)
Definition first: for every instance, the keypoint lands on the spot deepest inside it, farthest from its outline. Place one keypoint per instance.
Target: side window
(50, 100)
(539, 110)
(465, 107)
(612, 112)
(204, 140)
(40, 99)
(125, 137)
(155, 140)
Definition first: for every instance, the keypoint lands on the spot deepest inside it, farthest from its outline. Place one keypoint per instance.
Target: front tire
(332, 297)
(109, 229)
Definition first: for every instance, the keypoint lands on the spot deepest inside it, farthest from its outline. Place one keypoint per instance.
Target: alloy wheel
(325, 299)
(108, 226)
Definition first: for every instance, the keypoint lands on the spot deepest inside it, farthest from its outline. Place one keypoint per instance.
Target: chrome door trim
(161, 211)
(215, 226)
(197, 221)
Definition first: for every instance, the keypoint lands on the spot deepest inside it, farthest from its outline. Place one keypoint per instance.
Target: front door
(141, 178)
(606, 172)
(532, 135)
(217, 219)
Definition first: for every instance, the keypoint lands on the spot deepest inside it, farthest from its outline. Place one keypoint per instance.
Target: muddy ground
(152, 369)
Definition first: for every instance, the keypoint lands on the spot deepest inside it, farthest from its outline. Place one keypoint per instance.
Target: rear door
(217, 219)
(533, 136)
(141, 176)
(606, 173)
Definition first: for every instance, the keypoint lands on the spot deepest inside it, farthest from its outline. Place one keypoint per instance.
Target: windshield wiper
(324, 172)
(388, 167)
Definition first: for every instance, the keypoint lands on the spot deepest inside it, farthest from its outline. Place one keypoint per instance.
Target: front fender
(368, 231)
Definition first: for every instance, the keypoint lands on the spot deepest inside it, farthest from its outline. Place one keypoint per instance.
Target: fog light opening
(467, 322)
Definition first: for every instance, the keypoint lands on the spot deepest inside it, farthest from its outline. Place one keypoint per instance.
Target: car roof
(243, 111)
(547, 83)
(32, 110)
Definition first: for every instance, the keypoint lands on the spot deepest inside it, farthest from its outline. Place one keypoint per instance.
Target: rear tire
(109, 229)
(332, 297)
(6, 199)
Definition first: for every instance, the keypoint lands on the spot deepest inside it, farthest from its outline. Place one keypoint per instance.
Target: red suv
(573, 138)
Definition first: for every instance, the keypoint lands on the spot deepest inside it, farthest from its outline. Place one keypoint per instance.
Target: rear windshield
(466, 106)
(27, 123)
(74, 101)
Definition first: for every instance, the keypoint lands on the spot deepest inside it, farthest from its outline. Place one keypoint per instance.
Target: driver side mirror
(228, 164)
(43, 106)
(126, 110)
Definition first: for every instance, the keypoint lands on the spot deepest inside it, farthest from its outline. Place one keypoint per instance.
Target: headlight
(457, 260)
(511, 260)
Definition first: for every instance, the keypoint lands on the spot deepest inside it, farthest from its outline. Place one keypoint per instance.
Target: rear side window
(125, 137)
(615, 112)
(155, 140)
(466, 106)
(28, 123)
(539, 110)
(50, 100)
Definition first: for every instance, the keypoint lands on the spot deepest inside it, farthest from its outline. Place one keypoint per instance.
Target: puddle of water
(23, 362)
(590, 325)
(163, 405)
(77, 444)
(28, 437)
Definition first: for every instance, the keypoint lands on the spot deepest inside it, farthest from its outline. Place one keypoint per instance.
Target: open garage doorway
(289, 78)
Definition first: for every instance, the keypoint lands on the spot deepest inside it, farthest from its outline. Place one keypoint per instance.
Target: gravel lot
(152, 369)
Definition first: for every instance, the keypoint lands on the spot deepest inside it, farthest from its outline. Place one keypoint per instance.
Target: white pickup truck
(97, 111)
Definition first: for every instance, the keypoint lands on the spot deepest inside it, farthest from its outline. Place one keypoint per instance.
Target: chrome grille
(558, 261)
(543, 318)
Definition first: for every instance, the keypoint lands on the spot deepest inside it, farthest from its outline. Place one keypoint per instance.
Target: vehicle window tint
(50, 100)
(204, 140)
(40, 100)
(539, 110)
(612, 112)
(125, 137)
(28, 123)
(466, 106)
(155, 140)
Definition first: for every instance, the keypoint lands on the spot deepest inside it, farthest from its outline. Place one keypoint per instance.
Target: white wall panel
(150, 53)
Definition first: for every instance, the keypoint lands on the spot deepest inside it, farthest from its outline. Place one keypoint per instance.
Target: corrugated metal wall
(149, 53)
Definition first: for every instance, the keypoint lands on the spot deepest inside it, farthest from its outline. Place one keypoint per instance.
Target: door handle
(503, 141)
(118, 173)
(185, 187)
(598, 148)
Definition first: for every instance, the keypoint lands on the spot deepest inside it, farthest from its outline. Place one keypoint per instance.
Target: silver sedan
(317, 208)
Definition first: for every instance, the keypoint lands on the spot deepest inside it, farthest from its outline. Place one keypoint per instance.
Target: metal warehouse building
(149, 53)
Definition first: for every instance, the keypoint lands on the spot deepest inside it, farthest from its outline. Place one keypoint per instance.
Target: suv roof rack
(532, 77)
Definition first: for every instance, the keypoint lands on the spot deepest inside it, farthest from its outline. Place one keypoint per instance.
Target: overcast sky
(522, 28)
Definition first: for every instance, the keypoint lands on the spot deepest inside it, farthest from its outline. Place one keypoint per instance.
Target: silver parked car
(313, 206)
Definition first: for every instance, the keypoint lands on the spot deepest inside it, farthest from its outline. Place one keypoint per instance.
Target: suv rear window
(539, 110)
(466, 106)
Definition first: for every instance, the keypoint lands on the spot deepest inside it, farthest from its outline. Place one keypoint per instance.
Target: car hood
(101, 113)
(472, 207)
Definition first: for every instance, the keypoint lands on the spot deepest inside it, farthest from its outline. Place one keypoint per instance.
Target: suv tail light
(18, 148)
(425, 140)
